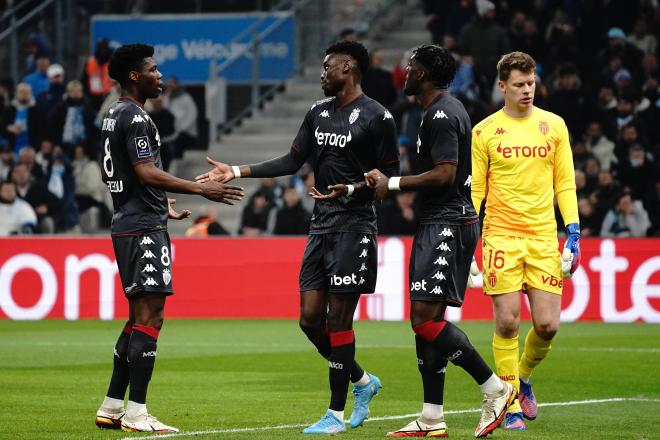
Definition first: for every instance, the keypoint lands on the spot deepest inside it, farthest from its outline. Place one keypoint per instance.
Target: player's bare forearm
(154, 176)
(440, 176)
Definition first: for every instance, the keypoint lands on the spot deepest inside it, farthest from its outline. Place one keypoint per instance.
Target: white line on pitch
(375, 419)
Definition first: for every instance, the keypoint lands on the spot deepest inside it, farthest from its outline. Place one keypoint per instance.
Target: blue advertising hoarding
(185, 45)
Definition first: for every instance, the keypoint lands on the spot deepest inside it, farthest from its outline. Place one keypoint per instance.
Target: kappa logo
(419, 143)
(363, 267)
(446, 232)
(440, 114)
(354, 115)
(444, 247)
(468, 181)
(149, 268)
(332, 139)
(436, 290)
(324, 114)
(138, 118)
(361, 282)
(146, 240)
(478, 132)
(387, 115)
(365, 240)
(364, 253)
(443, 371)
(167, 276)
(116, 354)
(151, 282)
(500, 131)
(148, 254)
(441, 261)
(439, 276)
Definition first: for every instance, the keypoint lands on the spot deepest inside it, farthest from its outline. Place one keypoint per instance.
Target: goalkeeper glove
(474, 272)
(570, 257)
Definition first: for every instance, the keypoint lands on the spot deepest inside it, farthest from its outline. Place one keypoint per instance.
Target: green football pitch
(262, 379)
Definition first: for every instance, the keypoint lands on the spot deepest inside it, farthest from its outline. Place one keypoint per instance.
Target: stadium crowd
(597, 67)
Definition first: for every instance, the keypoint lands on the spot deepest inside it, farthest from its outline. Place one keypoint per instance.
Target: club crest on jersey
(142, 147)
(167, 276)
(544, 127)
(354, 115)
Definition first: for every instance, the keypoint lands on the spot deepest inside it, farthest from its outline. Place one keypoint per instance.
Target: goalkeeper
(521, 160)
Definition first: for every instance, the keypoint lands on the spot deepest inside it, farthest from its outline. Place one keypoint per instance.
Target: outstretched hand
(378, 181)
(336, 191)
(221, 172)
(219, 192)
(174, 214)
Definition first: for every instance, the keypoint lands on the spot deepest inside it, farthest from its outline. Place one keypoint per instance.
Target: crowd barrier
(76, 278)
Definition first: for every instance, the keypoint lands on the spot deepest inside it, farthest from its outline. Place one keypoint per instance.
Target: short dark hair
(127, 58)
(515, 61)
(353, 49)
(440, 64)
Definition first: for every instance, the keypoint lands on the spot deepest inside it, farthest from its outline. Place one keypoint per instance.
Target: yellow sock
(505, 351)
(536, 349)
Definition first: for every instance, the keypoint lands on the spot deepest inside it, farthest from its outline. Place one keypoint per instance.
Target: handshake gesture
(214, 184)
(570, 257)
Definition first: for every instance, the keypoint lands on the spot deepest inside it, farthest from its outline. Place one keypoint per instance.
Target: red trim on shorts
(342, 338)
(128, 328)
(149, 331)
(429, 330)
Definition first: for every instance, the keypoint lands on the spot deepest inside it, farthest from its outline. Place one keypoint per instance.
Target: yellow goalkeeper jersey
(519, 165)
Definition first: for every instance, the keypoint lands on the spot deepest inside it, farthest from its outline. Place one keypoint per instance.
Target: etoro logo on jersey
(332, 139)
(524, 151)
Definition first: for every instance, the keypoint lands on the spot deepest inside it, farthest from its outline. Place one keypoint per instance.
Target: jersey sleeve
(564, 178)
(303, 144)
(479, 169)
(386, 144)
(136, 138)
(443, 133)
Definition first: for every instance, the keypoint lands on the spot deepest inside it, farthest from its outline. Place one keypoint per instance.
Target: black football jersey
(445, 137)
(344, 143)
(130, 137)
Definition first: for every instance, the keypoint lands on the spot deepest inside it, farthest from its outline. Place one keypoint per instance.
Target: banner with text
(76, 278)
(186, 44)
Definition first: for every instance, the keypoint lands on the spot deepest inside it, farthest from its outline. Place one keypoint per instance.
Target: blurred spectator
(28, 157)
(600, 146)
(110, 99)
(605, 194)
(348, 34)
(164, 120)
(591, 172)
(561, 40)
(6, 161)
(91, 194)
(627, 218)
(629, 137)
(464, 86)
(619, 47)
(485, 41)
(291, 218)
(62, 185)
(254, 220)
(604, 109)
(524, 36)
(45, 155)
(580, 154)
(447, 17)
(48, 100)
(272, 190)
(568, 100)
(206, 224)
(652, 204)
(397, 215)
(377, 83)
(590, 223)
(35, 193)
(637, 172)
(184, 109)
(38, 79)
(35, 46)
(22, 123)
(73, 119)
(16, 215)
(95, 78)
(581, 184)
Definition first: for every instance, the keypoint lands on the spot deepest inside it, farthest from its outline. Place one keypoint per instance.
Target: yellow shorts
(511, 264)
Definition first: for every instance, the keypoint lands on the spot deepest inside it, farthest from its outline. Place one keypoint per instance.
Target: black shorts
(340, 262)
(144, 260)
(440, 262)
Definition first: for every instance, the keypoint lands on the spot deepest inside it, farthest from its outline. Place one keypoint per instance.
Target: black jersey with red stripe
(445, 137)
(344, 142)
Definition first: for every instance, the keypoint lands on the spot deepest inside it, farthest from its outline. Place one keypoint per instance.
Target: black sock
(456, 347)
(320, 337)
(432, 367)
(120, 376)
(342, 354)
(141, 360)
